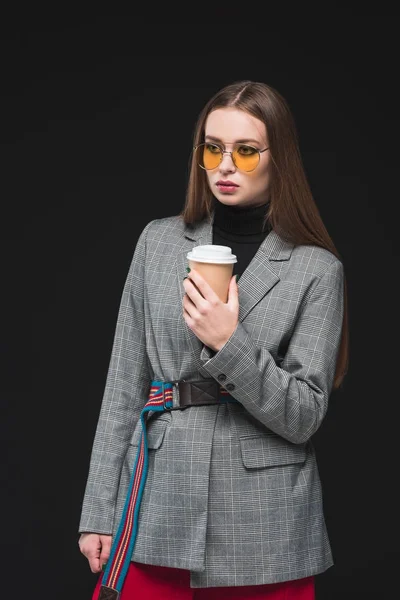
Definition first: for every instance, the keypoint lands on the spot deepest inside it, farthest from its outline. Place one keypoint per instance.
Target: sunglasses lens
(208, 156)
(246, 158)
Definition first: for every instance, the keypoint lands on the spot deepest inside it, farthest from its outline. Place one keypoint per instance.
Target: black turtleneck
(240, 228)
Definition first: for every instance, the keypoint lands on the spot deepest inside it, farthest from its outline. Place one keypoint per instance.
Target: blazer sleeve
(290, 399)
(126, 391)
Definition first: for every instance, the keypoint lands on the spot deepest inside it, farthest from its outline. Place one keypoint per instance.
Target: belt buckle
(176, 395)
(176, 404)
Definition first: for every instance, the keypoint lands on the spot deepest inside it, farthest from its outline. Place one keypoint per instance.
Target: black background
(97, 115)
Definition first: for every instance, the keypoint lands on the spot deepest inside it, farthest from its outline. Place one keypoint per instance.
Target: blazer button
(221, 377)
(230, 387)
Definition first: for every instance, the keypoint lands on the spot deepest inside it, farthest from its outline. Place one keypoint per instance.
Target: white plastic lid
(212, 253)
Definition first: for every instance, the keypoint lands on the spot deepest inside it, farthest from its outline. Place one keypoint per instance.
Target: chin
(229, 198)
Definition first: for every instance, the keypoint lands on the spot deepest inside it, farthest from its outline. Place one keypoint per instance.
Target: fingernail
(188, 269)
(237, 276)
(103, 567)
(186, 277)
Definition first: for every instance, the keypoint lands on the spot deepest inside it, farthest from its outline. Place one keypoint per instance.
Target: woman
(209, 408)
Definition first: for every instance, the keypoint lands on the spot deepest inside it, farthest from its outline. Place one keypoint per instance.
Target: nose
(227, 165)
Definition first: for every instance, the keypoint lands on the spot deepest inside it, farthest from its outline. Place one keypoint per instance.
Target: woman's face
(226, 127)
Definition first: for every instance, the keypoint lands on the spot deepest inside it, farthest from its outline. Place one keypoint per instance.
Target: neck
(242, 220)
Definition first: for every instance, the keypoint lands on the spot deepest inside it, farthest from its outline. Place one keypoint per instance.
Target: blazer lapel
(199, 235)
(262, 274)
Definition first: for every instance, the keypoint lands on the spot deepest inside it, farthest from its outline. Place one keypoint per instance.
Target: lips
(226, 183)
(226, 186)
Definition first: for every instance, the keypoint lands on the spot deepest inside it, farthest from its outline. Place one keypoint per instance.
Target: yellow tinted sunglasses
(245, 158)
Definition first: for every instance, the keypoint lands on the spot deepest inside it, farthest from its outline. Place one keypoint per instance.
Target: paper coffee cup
(215, 265)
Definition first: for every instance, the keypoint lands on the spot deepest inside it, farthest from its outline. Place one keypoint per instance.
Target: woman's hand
(96, 548)
(212, 320)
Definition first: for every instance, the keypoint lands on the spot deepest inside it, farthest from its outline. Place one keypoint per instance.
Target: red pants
(147, 582)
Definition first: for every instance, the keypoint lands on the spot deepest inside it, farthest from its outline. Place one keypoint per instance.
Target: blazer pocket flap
(155, 431)
(269, 451)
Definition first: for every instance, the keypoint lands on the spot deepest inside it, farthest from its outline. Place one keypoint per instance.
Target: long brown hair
(292, 211)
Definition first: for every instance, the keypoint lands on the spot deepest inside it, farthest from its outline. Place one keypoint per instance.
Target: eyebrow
(242, 141)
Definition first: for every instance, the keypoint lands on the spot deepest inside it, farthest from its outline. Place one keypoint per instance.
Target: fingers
(198, 289)
(233, 283)
(105, 549)
(192, 292)
(188, 307)
(90, 547)
(233, 294)
(96, 548)
(94, 564)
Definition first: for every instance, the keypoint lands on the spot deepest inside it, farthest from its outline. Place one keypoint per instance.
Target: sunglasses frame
(227, 152)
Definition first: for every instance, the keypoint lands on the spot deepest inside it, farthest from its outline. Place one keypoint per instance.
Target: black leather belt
(199, 393)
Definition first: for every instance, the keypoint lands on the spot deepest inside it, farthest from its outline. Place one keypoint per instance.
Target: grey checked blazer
(233, 492)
